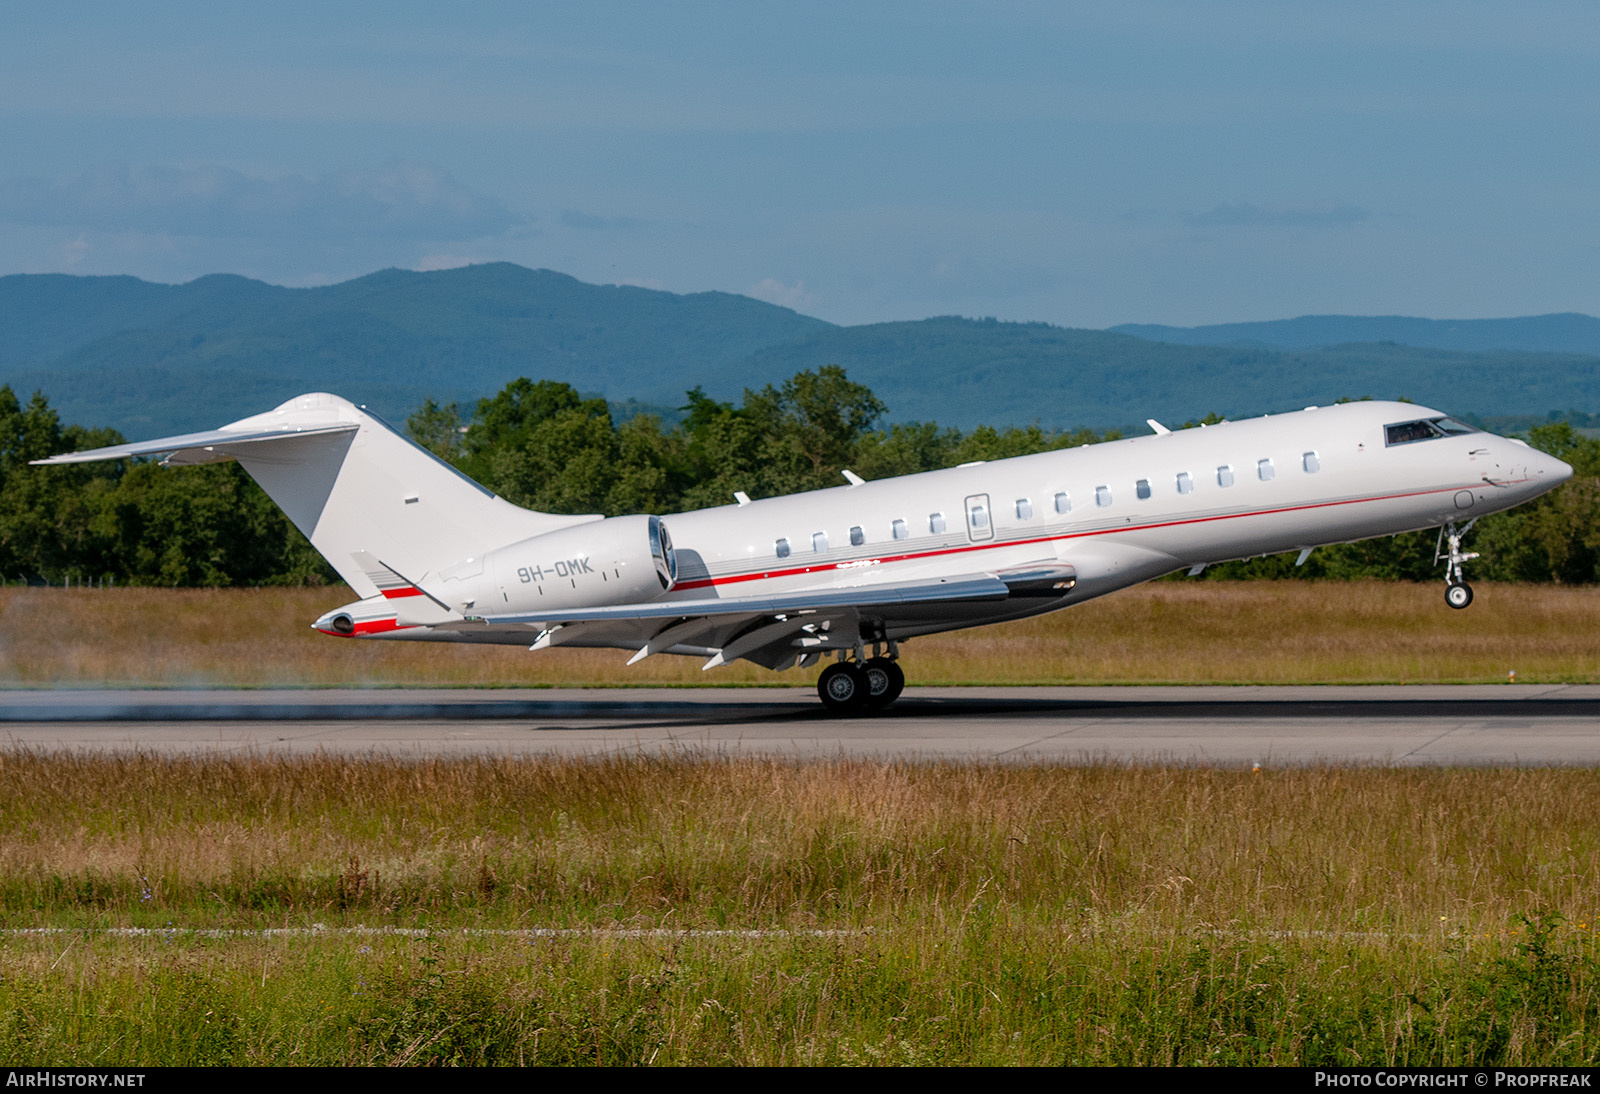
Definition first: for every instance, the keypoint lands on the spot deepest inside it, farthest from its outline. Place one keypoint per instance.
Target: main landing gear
(864, 685)
(1457, 593)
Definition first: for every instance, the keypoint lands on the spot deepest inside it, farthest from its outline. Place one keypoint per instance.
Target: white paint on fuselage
(1362, 488)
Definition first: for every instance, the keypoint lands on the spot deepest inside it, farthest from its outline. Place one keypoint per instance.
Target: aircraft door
(980, 518)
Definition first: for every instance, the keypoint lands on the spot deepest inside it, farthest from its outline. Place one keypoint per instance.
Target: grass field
(1285, 632)
(897, 913)
(707, 909)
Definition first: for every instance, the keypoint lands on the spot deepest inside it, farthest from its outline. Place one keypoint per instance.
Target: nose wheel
(1457, 593)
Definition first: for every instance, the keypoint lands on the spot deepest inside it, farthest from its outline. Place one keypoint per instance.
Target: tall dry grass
(1117, 914)
(706, 841)
(1212, 632)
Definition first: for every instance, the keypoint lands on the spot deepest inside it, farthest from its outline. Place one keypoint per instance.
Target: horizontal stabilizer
(416, 606)
(213, 445)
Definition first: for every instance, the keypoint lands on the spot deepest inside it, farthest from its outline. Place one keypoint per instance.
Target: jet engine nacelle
(619, 560)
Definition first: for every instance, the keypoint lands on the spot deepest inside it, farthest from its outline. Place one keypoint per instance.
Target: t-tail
(414, 537)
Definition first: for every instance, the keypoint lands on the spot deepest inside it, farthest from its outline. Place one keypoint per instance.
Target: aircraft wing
(211, 446)
(969, 587)
(1050, 579)
(776, 629)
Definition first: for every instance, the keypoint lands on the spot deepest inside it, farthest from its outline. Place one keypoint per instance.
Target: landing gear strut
(1457, 593)
(864, 685)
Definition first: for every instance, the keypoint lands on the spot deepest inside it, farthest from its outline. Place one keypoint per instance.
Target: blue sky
(1082, 164)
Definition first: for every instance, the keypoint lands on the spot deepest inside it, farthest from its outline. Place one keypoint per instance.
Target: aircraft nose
(1548, 471)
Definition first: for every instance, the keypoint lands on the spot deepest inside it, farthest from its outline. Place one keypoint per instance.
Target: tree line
(543, 445)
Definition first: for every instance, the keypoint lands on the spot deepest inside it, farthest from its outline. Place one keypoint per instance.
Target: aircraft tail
(356, 488)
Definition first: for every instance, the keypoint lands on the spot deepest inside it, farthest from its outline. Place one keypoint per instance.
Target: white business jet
(854, 570)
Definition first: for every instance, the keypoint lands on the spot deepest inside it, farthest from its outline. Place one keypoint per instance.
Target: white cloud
(445, 261)
(773, 291)
(1247, 215)
(576, 218)
(74, 253)
(401, 200)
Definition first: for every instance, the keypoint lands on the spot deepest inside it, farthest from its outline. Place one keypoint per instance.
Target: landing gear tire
(885, 681)
(844, 688)
(1458, 595)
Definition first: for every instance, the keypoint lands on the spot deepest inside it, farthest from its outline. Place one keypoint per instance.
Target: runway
(1397, 725)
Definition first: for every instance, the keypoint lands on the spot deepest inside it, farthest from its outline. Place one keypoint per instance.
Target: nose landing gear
(865, 685)
(1457, 593)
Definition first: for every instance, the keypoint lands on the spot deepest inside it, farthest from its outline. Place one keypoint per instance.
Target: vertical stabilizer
(355, 487)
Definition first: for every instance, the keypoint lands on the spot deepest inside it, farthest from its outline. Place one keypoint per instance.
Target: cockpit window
(1424, 429)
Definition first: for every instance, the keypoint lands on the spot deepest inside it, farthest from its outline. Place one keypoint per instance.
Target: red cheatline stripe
(371, 626)
(965, 548)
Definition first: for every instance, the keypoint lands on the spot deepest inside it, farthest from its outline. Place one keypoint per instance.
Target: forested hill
(1567, 332)
(149, 359)
(146, 358)
(968, 372)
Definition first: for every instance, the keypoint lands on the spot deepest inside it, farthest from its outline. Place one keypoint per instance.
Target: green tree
(510, 420)
(907, 448)
(439, 429)
(1556, 537)
(810, 427)
(565, 465)
(203, 526)
(47, 514)
(650, 474)
(723, 450)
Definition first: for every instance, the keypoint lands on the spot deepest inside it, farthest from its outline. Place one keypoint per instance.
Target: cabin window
(1024, 509)
(935, 523)
(1142, 488)
(857, 536)
(1102, 496)
(1311, 463)
(819, 542)
(1185, 483)
(1063, 502)
(1225, 475)
(781, 547)
(899, 530)
(1264, 470)
(979, 516)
